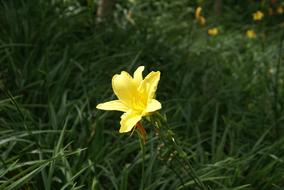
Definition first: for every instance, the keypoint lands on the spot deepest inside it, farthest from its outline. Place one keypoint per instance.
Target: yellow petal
(138, 77)
(198, 12)
(153, 105)
(201, 20)
(124, 88)
(150, 83)
(113, 105)
(128, 121)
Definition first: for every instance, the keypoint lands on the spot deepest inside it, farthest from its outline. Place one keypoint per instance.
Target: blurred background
(221, 89)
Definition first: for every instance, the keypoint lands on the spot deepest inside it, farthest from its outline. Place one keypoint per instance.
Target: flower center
(139, 101)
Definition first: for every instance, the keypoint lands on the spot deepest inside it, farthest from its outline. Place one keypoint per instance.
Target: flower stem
(167, 137)
(142, 146)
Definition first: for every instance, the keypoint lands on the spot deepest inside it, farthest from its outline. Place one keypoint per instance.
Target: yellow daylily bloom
(280, 10)
(250, 34)
(198, 12)
(258, 15)
(136, 97)
(213, 31)
(200, 19)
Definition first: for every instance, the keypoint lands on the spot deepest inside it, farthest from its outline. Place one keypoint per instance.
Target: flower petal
(128, 121)
(138, 77)
(113, 105)
(198, 12)
(150, 83)
(124, 87)
(153, 105)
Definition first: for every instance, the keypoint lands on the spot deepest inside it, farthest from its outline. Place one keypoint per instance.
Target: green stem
(276, 89)
(142, 146)
(169, 138)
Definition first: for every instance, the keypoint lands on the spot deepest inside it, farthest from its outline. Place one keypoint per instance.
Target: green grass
(222, 96)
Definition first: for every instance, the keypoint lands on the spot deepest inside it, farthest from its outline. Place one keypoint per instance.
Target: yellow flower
(136, 97)
(198, 12)
(250, 34)
(279, 10)
(200, 19)
(258, 15)
(213, 31)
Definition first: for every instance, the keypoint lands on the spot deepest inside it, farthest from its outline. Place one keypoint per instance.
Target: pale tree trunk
(104, 10)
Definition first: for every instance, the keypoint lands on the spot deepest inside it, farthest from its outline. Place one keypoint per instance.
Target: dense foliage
(222, 95)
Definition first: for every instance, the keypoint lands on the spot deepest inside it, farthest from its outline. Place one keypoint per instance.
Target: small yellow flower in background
(258, 15)
(250, 34)
(136, 97)
(198, 12)
(280, 10)
(213, 31)
(200, 19)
